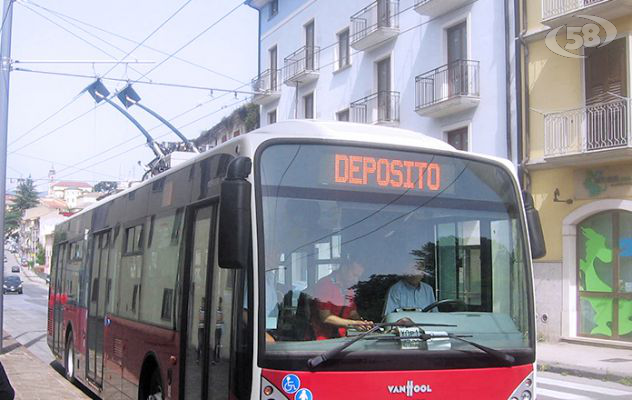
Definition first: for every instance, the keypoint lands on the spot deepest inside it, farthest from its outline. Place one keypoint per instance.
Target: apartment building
(578, 148)
(440, 67)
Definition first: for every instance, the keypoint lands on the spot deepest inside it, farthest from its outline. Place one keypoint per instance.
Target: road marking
(579, 386)
(559, 395)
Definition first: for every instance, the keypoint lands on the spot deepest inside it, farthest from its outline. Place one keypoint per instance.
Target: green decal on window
(596, 249)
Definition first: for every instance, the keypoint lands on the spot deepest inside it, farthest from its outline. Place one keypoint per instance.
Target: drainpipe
(508, 83)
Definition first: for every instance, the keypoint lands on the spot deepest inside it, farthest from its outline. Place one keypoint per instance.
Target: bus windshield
(354, 236)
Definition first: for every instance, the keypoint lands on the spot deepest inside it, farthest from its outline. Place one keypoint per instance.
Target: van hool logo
(587, 35)
(409, 389)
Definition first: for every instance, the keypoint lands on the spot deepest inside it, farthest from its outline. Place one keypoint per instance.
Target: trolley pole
(5, 69)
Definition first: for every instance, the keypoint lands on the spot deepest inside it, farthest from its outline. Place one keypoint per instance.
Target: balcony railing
(457, 80)
(435, 8)
(597, 127)
(267, 86)
(302, 66)
(377, 108)
(556, 8)
(374, 24)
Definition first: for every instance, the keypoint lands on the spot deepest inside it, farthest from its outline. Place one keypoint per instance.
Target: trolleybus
(305, 260)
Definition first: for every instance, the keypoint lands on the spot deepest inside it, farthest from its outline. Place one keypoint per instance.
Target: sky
(92, 143)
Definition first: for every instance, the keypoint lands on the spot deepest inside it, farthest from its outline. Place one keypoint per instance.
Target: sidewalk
(31, 378)
(590, 361)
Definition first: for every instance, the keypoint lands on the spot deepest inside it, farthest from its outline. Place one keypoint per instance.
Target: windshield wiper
(504, 358)
(328, 355)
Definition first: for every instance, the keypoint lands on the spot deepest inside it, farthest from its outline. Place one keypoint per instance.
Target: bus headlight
(524, 391)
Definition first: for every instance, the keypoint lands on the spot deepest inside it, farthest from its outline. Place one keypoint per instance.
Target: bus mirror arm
(536, 236)
(234, 234)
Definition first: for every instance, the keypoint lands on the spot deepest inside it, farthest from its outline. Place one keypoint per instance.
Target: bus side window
(130, 273)
(160, 269)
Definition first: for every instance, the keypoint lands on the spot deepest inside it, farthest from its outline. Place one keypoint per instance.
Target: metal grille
(557, 8)
(305, 59)
(459, 78)
(379, 107)
(596, 127)
(267, 81)
(380, 14)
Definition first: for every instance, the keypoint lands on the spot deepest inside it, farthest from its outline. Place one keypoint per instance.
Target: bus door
(208, 309)
(58, 310)
(96, 307)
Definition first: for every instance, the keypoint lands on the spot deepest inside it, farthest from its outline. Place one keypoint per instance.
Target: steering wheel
(457, 302)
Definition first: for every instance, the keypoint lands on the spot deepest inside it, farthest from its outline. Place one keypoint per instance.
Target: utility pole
(5, 70)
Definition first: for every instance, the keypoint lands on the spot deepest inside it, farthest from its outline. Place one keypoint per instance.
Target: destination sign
(363, 170)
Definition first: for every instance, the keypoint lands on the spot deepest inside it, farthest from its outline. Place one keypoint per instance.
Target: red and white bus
(305, 260)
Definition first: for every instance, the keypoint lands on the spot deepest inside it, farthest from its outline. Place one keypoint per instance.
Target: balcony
(375, 24)
(447, 90)
(435, 8)
(302, 66)
(267, 87)
(561, 12)
(590, 134)
(380, 108)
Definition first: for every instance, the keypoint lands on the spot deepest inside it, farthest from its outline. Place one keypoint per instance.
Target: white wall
(413, 53)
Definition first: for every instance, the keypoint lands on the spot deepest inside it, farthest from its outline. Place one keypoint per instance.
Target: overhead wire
(149, 36)
(75, 35)
(68, 18)
(132, 81)
(44, 120)
(196, 37)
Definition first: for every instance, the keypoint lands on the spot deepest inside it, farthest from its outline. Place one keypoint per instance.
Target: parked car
(47, 278)
(12, 284)
(15, 268)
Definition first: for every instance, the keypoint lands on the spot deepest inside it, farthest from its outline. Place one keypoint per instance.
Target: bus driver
(410, 291)
(335, 302)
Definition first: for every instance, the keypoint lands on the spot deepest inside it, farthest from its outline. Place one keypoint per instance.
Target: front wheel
(69, 360)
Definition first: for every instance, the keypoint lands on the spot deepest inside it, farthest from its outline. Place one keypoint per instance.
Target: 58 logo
(588, 35)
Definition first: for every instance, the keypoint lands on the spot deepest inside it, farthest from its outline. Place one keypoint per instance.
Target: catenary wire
(132, 81)
(76, 36)
(68, 18)
(5, 14)
(196, 37)
(149, 36)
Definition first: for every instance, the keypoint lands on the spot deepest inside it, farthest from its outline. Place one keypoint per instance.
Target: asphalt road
(565, 387)
(25, 315)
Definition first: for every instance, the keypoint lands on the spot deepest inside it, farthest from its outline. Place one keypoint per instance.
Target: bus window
(130, 273)
(159, 271)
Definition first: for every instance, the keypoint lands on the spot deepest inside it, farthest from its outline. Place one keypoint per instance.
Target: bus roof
(314, 129)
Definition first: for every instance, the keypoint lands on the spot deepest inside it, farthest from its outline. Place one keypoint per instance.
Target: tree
(40, 257)
(25, 196)
(105, 186)
(11, 221)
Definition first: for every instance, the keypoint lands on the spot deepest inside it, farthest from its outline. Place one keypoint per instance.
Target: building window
(458, 138)
(343, 115)
(274, 9)
(344, 56)
(308, 106)
(272, 117)
(604, 271)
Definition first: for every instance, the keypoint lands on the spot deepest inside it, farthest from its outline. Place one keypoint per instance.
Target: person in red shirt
(335, 303)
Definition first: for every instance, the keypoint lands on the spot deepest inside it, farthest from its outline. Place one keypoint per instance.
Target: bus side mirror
(536, 237)
(235, 234)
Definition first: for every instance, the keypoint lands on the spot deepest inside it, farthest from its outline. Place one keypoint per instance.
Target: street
(555, 386)
(25, 314)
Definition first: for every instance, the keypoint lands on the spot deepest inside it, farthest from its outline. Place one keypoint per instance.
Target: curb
(584, 373)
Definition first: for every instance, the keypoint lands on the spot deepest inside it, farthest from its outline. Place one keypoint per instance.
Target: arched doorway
(604, 275)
